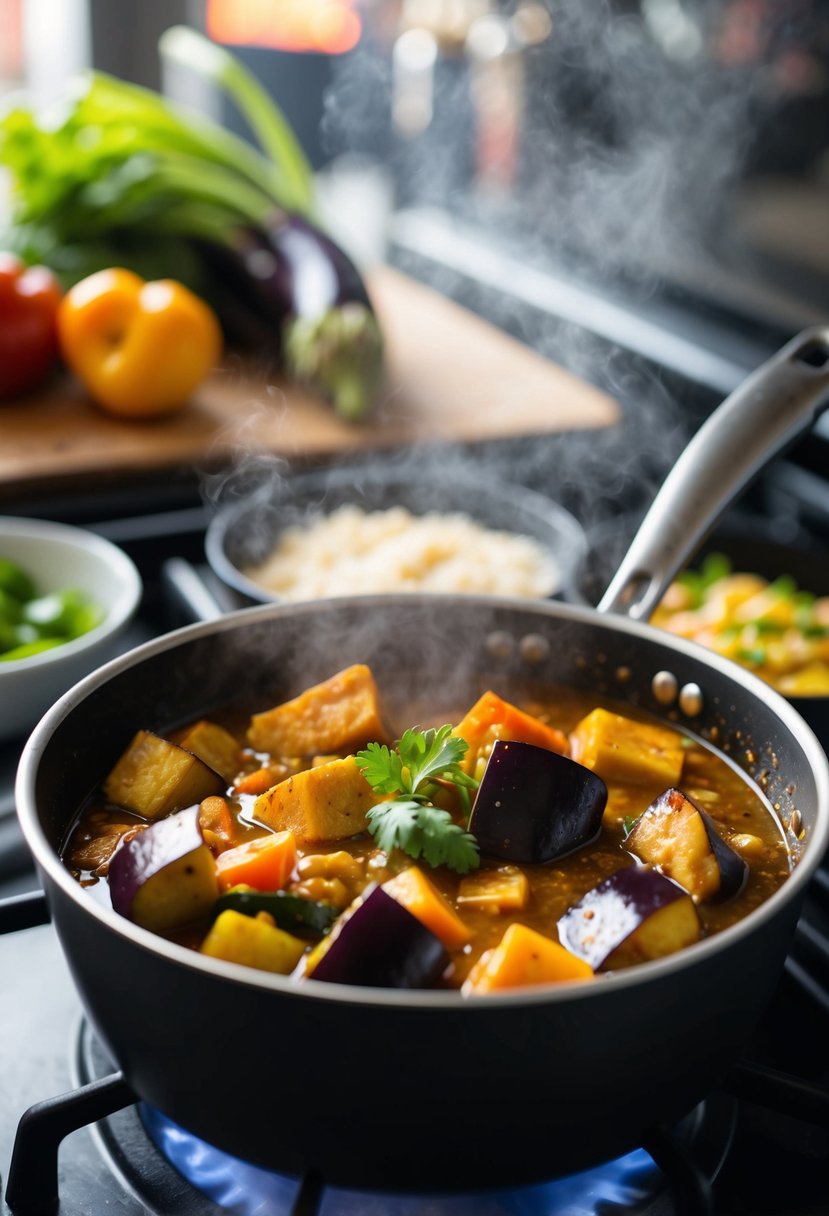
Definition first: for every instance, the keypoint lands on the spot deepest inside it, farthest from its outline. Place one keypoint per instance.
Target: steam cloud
(628, 149)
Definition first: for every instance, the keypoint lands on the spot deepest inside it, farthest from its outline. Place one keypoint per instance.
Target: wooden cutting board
(452, 377)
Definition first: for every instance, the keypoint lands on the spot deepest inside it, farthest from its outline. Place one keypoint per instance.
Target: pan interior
(436, 650)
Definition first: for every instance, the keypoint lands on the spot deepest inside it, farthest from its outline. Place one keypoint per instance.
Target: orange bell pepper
(140, 349)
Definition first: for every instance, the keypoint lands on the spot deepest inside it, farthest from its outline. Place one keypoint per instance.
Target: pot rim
(49, 863)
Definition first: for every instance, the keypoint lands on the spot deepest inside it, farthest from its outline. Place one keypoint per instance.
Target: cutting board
(451, 378)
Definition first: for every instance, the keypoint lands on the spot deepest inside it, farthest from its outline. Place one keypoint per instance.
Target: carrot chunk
(491, 718)
(522, 958)
(217, 823)
(421, 897)
(265, 863)
(257, 782)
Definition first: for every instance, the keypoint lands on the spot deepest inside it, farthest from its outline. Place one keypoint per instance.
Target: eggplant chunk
(534, 804)
(154, 777)
(635, 915)
(165, 876)
(379, 943)
(677, 837)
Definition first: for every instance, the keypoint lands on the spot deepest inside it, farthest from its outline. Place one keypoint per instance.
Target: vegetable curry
(549, 841)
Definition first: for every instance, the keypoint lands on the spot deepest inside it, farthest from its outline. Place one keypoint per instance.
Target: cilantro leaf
(382, 769)
(422, 760)
(431, 753)
(420, 756)
(394, 826)
(423, 831)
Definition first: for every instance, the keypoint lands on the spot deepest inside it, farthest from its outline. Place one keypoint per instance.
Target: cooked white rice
(354, 552)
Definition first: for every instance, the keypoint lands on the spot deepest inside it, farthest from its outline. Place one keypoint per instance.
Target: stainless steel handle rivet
(691, 700)
(500, 644)
(665, 687)
(534, 648)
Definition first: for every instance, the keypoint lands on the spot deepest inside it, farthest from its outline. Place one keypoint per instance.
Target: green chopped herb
(714, 567)
(421, 830)
(784, 587)
(421, 761)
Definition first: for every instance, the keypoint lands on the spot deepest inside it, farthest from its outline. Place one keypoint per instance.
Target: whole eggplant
(286, 288)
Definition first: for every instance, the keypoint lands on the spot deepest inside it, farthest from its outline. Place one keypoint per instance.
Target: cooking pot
(426, 1089)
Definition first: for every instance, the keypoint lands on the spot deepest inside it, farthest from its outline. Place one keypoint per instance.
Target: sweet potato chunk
(214, 745)
(623, 749)
(328, 802)
(340, 715)
(154, 777)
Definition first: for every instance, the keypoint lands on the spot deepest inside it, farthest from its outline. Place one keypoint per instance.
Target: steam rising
(631, 139)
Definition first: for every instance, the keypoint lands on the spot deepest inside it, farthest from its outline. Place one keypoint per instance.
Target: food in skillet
(533, 844)
(771, 627)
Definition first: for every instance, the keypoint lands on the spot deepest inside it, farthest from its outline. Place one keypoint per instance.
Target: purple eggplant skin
(534, 805)
(287, 289)
(635, 915)
(680, 839)
(381, 945)
(165, 876)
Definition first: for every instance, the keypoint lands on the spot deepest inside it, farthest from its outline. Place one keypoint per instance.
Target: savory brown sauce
(342, 869)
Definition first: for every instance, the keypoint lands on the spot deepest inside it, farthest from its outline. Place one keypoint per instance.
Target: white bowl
(57, 556)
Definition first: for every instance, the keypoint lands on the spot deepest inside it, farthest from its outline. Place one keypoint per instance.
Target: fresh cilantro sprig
(413, 771)
(423, 831)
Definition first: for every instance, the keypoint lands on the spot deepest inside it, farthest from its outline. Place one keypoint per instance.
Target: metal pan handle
(766, 413)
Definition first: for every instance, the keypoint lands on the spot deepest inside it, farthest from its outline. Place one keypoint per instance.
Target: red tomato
(29, 299)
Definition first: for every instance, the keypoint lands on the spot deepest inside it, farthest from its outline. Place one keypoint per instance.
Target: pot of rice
(370, 530)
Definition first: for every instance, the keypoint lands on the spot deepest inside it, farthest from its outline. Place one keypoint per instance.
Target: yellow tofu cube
(340, 715)
(328, 802)
(253, 941)
(501, 890)
(623, 749)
